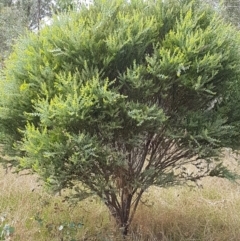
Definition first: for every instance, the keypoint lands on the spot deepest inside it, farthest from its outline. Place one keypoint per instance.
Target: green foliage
(65, 231)
(121, 96)
(66, 5)
(6, 230)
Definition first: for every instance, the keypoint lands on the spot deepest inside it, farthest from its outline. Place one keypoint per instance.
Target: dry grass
(210, 213)
(35, 215)
(18, 203)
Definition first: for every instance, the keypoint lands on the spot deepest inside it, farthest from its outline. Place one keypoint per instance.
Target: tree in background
(68, 5)
(232, 11)
(17, 16)
(122, 96)
(12, 23)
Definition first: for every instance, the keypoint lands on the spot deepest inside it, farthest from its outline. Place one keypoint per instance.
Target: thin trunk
(121, 213)
(39, 15)
(126, 201)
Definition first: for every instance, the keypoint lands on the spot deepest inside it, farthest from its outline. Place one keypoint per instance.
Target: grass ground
(209, 213)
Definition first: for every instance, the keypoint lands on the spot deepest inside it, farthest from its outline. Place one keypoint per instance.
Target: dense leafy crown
(125, 88)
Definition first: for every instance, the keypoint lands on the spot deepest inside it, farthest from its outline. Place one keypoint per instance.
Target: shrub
(121, 96)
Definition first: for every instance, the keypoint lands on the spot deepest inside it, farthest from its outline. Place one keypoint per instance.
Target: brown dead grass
(181, 213)
(208, 213)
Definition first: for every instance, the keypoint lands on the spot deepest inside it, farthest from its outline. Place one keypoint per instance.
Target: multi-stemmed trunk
(123, 207)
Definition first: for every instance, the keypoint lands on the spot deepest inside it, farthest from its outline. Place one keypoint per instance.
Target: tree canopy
(122, 96)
